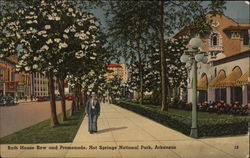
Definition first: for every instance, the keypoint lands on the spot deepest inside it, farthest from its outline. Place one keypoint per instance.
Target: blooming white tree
(47, 38)
(176, 71)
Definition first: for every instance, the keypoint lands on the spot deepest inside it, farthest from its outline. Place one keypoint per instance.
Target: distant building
(11, 82)
(23, 84)
(39, 85)
(8, 86)
(20, 84)
(119, 70)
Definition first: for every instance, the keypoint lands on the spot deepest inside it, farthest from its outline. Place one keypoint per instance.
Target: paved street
(15, 118)
(122, 128)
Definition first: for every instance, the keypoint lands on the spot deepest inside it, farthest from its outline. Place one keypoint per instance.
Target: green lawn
(201, 115)
(43, 133)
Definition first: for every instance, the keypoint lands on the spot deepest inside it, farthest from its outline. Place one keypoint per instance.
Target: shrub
(206, 127)
(181, 123)
(220, 108)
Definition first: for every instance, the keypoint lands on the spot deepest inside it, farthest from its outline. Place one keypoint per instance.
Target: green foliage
(177, 103)
(207, 127)
(114, 87)
(221, 127)
(135, 30)
(55, 37)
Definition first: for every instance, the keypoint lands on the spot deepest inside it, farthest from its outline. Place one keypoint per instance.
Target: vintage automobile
(58, 98)
(69, 97)
(41, 98)
(7, 101)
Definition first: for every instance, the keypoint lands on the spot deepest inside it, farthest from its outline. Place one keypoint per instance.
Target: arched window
(214, 39)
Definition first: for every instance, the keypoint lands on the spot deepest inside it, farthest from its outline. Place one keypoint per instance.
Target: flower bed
(222, 108)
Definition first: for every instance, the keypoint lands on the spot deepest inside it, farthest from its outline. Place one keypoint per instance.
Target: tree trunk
(74, 102)
(84, 97)
(54, 120)
(73, 107)
(140, 74)
(81, 99)
(78, 97)
(163, 62)
(63, 100)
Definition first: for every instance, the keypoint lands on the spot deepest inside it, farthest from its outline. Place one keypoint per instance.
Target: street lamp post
(192, 57)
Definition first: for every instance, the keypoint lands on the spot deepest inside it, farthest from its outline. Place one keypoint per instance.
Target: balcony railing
(215, 48)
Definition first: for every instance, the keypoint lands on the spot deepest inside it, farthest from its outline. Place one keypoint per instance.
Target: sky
(238, 10)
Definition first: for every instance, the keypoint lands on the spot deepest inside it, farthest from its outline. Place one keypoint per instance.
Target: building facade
(8, 85)
(22, 85)
(11, 82)
(226, 76)
(39, 85)
(119, 70)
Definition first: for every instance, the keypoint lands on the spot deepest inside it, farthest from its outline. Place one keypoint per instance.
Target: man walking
(92, 110)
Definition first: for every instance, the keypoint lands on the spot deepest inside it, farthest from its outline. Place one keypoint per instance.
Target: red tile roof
(239, 27)
(114, 65)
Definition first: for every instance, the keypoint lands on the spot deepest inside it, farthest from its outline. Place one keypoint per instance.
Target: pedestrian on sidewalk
(92, 111)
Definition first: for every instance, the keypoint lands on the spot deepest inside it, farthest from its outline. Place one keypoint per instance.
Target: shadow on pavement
(111, 129)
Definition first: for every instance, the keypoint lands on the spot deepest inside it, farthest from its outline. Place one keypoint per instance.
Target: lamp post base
(194, 133)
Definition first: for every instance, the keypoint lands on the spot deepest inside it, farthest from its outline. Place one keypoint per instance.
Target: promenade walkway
(124, 134)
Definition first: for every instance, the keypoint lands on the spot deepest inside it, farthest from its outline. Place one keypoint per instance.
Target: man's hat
(93, 94)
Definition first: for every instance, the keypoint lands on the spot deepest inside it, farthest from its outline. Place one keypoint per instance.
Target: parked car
(69, 97)
(58, 98)
(47, 98)
(7, 101)
(41, 98)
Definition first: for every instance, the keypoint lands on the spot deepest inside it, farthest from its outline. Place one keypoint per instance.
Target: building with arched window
(215, 42)
(226, 76)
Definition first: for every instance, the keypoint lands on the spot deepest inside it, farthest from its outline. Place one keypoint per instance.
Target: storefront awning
(202, 83)
(230, 80)
(221, 76)
(243, 80)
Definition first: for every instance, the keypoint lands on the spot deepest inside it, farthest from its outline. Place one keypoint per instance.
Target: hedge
(206, 127)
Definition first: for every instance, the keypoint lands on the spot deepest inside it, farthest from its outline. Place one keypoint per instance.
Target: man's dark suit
(93, 110)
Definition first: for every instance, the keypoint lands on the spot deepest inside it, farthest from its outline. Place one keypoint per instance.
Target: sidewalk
(122, 128)
(26, 101)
